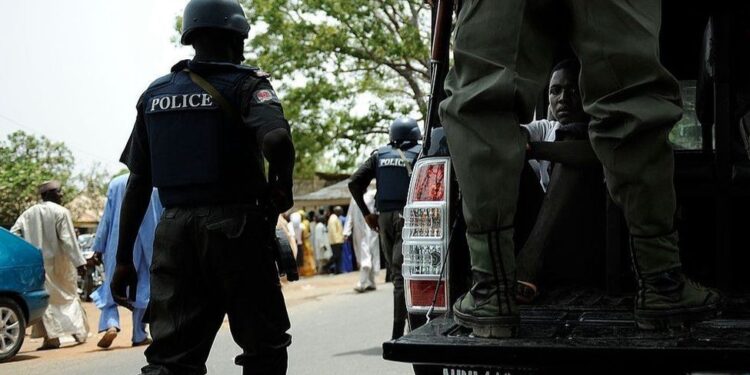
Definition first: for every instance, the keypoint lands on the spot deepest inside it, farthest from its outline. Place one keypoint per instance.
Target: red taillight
(430, 184)
(423, 291)
(425, 236)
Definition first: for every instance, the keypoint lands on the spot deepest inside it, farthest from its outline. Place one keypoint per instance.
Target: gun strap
(227, 107)
(407, 163)
(229, 110)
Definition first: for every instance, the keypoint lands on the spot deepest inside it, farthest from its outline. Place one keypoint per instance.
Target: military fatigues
(389, 169)
(211, 254)
(503, 53)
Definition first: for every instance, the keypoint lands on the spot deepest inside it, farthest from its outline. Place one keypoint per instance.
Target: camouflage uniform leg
(634, 102)
(501, 59)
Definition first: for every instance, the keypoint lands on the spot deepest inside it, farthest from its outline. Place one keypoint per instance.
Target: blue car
(23, 298)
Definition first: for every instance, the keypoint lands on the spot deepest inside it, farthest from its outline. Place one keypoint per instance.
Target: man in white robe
(366, 243)
(321, 246)
(49, 226)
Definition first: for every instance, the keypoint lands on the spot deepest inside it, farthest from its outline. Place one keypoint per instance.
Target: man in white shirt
(562, 158)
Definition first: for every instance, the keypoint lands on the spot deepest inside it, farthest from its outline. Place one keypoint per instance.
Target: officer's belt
(207, 208)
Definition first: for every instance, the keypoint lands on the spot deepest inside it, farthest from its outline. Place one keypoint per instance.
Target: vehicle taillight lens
(423, 259)
(430, 183)
(423, 291)
(423, 221)
(425, 235)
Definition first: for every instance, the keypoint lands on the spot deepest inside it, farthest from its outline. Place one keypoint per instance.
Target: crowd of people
(328, 241)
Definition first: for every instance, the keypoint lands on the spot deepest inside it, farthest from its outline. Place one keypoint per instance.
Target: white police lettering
(172, 102)
(392, 163)
(190, 101)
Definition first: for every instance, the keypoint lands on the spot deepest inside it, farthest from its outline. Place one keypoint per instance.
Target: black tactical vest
(392, 177)
(199, 155)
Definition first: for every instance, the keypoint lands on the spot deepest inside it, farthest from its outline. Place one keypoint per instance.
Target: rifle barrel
(439, 60)
(441, 35)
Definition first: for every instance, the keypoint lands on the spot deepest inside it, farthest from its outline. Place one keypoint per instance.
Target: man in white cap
(49, 227)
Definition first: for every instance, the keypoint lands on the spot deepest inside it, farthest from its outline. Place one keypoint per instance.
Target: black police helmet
(214, 14)
(404, 129)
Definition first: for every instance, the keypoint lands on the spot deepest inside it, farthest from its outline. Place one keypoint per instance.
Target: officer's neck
(218, 53)
(217, 58)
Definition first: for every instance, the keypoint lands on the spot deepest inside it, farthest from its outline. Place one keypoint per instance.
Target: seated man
(570, 177)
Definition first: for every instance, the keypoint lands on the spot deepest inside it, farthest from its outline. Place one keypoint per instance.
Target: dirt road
(300, 292)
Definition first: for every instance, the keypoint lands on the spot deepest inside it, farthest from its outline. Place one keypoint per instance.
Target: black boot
(666, 298)
(489, 308)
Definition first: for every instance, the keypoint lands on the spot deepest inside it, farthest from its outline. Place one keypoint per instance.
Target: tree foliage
(332, 56)
(25, 162)
(92, 185)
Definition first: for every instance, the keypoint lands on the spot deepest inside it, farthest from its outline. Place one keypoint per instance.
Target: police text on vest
(183, 101)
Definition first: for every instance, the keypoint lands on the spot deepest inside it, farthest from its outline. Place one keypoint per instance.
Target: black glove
(124, 285)
(280, 189)
(282, 197)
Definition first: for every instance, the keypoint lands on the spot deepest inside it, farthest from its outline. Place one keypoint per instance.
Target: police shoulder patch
(264, 96)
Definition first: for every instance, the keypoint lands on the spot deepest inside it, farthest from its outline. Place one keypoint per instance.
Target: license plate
(473, 371)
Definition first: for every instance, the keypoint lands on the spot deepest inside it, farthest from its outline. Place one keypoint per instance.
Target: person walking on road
(49, 227)
(366, 243)
(105, 247)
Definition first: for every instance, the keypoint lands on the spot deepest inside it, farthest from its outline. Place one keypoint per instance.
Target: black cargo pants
(391, 224)
(210, 262)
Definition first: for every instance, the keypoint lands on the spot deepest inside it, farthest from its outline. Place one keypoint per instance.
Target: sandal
(526, 292)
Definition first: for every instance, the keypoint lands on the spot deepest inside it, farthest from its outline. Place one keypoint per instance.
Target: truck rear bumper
(580, 339)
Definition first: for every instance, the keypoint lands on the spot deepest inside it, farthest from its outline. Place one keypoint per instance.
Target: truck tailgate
(583, 339)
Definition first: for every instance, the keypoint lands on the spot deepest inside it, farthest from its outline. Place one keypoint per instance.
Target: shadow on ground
(21, 357)
(377, 351)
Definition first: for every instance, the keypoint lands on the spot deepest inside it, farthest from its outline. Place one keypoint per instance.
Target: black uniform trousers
(391, 224)
(210, 262)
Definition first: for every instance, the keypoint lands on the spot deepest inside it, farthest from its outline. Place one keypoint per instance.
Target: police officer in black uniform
(391, 166)
(200, 136)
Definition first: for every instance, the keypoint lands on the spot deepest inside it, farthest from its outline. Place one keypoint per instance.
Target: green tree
(94, 181)
(25, 162)
(330, 56)
(92, 185)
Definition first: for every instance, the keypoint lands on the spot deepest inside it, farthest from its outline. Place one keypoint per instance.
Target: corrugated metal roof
(335, 195)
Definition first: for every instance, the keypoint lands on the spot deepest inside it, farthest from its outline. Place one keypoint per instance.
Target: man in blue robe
(105, 246)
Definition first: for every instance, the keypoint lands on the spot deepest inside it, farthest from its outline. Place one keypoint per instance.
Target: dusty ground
(296, 293)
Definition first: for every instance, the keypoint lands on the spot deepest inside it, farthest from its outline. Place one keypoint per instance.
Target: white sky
(73, 70)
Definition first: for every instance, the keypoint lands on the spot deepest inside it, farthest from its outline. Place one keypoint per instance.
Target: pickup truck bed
(580, 330)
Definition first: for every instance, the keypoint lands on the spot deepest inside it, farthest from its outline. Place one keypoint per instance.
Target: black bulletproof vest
(392, 177)
(199, 155)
